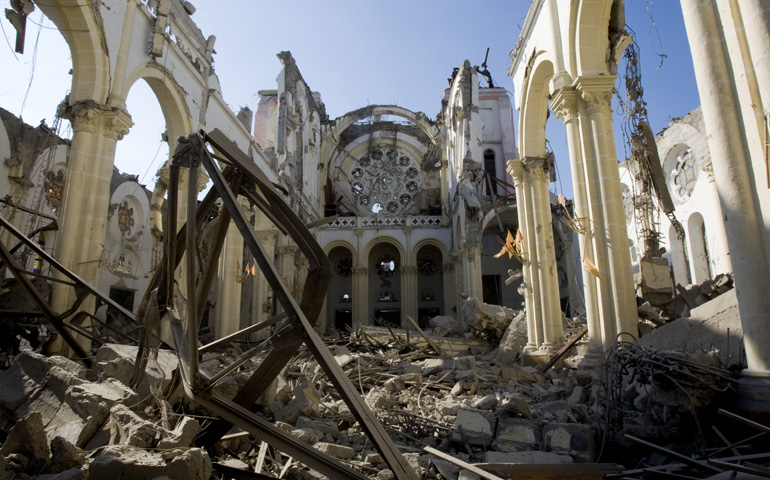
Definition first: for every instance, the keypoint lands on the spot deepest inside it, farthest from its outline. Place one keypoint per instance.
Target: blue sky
(354, 53)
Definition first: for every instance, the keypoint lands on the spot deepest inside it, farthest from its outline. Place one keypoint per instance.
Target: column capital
(91, 117)
(564, 104)
(287, 250)
(361, 270)
(516, 169)
(596, 92)
(409, 270)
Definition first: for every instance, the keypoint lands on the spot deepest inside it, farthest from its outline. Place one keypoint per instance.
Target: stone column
(732, 170)
(475, 288)
(597, 94)
(720, 250)
(360, 309)
(96, 130)
(408, 293)
(262, 302)
(530, 284)
(564, 105)
(228, 308)
(536, 169)
(450, 297)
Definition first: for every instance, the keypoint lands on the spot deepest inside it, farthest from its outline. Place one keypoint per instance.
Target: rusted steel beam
(301, 315)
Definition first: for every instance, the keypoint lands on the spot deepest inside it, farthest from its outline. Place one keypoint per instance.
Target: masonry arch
(430, 281)
(82, 29)
(418, 118)
(589, 30)
(534, 111)
(340, 294)
(385, 259)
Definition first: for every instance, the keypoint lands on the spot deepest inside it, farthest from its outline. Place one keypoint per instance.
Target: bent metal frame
(161, 304)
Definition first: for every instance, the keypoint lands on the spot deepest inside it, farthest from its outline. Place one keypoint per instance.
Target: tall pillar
(720, 250)
(530, 285)
(360, 297)
(228, 307)
(551, 316)
(408, 292)
(732, 164)
(564, 105)
(450, 302)
(597, 94)
(475, 289)
(96, 130)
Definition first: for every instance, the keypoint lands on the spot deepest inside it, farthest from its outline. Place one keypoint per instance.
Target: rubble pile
(449, 403)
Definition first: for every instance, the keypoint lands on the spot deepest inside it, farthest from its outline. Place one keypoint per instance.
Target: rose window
(385, 181)
(684, 175)
(426, 265)
(344, 266)
(386, 266)
(125, 218)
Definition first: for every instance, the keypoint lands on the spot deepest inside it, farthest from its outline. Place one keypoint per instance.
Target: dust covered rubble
(474, 402)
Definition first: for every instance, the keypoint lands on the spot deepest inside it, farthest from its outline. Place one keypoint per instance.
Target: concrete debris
(474, 404)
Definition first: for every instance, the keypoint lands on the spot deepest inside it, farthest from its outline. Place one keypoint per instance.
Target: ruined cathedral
(285, 227)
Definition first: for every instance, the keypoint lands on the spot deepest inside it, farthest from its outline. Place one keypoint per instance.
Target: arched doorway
(430, 284)
(385, 284)
(341, 289)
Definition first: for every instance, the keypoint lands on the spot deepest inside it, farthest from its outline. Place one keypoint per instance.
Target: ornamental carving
(126, 218)
(427, 265)
(344, 266)
(54, 188)
(385, 182)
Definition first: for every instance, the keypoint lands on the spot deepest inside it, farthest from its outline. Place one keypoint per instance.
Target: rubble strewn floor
(470, 401)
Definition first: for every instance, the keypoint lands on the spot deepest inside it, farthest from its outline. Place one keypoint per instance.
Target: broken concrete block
(515, 434)
(386, 474)
(27, 438)
(468, 385)
(443, 325)
(433, 365)
(183, 436)
(514, 340)
(374, 459)
(446, 469)
(398, 383)
(329, 427)
(517, 375)
(123, 461)
(133, 430)
(307, 435)
(573, 438)
(65, 456)
(486, 403)
(476, 427)
(526, 457)
(306, 399)
(117, 361)
(518, 406)
(448, 406)
(377, 399)
(338, 451)
(577, 396)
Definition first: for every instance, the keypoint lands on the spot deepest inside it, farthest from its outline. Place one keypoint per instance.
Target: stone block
(433, 365)
(476, 427)
(65, 456)
(132, 430)
(466, 362)
(338, 451)
(576, 439)
(183, 436)
(448, 406)
(306, 400)
(329, 427)
(516, 434)
(117, 361)
(374, 459)
(307, 435)
(518, 406)
(514, 340)
(126, 462)
(443, 325)
(27, 437)
(486, 403)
